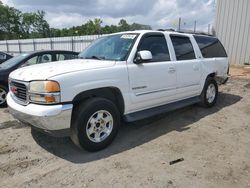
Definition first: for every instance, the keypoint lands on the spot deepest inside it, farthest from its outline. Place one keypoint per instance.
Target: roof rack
(186, 31)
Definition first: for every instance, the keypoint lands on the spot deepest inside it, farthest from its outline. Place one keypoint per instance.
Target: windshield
(114, 47)
(13, 61)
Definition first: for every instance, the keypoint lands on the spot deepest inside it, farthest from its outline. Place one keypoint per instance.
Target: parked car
(4, 57)
(130, 75)
(28, 59)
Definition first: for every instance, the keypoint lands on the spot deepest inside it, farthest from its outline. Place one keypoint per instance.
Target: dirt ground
(215, 145)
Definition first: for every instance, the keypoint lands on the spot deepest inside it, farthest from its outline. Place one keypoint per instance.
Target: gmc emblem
(13, 89)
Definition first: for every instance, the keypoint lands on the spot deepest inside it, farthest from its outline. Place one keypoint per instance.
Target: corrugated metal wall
(76, 43)
(232, 27)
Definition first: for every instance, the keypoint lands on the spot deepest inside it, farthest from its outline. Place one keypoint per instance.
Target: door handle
(171, 69)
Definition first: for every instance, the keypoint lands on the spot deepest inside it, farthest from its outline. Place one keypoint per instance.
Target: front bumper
(52, 119)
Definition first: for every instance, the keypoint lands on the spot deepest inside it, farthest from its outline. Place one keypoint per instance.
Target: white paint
(142, 85)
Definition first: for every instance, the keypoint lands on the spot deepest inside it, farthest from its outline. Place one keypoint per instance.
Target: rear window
(210, 47)
(183, 47)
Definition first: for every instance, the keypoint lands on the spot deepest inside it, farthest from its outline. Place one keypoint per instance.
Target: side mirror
(143, 56)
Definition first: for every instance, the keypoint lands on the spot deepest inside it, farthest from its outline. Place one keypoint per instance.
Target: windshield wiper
(95, 57)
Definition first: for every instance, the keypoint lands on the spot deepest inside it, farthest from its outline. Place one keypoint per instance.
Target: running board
(160, 109)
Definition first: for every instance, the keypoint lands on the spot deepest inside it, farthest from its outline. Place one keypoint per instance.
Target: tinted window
(210, 47)
(183, 48)
(65, 56)
(157, 45)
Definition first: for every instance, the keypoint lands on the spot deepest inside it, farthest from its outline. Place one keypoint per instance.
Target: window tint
(61, 57)
(210, 47)
(183, 47)
(157, 45)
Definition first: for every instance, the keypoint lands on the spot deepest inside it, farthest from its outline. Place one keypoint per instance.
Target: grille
(19, 90)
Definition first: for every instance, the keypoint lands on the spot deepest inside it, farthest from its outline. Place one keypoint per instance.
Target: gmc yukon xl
(124, 76)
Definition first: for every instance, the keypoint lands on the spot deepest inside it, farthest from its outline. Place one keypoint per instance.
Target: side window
(157, 45)
(183, 47)
(210, 47)
(44, 58)
(61, 57)
(31, 61)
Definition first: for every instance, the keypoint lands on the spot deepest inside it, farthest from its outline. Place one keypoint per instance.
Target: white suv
(129, 76)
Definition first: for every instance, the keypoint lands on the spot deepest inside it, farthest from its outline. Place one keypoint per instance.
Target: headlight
(44, 86)
(46, 92)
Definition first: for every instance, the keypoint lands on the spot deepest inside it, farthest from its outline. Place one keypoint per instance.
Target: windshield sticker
(128, 36)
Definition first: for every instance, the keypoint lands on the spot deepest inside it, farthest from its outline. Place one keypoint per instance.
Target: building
(232, 27)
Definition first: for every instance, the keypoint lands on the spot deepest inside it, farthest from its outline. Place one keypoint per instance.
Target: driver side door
(153, 82)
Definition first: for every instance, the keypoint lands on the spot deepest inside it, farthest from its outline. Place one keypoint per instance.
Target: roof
(153, 31)
(47, 51)
(163, 32)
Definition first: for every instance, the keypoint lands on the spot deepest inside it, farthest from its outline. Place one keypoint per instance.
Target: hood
(48, 70)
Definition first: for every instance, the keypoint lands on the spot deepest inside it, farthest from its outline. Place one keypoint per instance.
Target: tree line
(15, 24)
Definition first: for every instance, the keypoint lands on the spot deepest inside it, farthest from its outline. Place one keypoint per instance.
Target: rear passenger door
(188, 67)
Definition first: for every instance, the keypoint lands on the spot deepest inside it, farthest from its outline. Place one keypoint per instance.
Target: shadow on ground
(134, 134)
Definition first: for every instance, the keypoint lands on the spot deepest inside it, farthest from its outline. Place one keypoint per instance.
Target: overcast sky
(156, 13)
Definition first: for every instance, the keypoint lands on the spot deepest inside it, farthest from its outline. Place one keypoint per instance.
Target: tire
(210, 93)
(95, 124)
(3, 94)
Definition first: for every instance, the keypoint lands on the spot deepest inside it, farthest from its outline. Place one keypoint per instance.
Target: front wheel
(209, 93)
(95, 124)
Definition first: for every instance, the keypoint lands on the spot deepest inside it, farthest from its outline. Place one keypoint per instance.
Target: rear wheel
(3, 94)
(95, 124)
(209, 93)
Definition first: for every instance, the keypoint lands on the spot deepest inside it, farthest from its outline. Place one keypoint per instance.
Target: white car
(129, 76)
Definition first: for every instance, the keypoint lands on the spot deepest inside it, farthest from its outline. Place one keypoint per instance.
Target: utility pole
(195, 26)
(208, 29)
(179, 26)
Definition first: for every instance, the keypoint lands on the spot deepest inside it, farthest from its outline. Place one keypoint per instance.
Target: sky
(159, 14)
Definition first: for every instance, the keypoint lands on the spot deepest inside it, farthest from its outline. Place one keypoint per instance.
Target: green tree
(93, 27)
(136, 26)
(9, 22)
(27, 23)
(124, 26)
(15, 24)
(41, 26)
